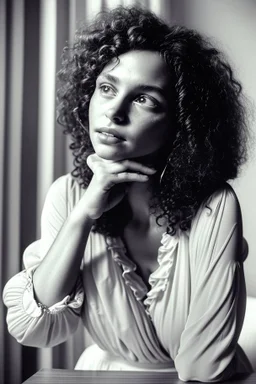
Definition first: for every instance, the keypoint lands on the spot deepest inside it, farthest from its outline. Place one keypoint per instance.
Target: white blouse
(191, 317)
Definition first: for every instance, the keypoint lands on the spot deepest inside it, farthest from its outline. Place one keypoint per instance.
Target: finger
(92, 160)
(128, 177)
(125, 165)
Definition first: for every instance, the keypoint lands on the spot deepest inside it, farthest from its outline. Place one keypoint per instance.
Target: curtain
(33, 150)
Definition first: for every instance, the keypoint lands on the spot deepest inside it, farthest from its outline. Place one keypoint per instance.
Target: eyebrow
(144, 87)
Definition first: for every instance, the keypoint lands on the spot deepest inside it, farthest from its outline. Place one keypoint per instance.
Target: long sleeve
(208, 347)
(29, 322)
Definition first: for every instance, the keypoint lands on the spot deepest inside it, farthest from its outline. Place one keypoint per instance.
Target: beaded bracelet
(43, 307)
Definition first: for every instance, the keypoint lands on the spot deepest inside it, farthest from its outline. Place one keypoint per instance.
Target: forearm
(57, 274)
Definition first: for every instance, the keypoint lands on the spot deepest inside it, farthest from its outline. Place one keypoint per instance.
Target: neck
(139, 194)
(138, 197)
(155, 160)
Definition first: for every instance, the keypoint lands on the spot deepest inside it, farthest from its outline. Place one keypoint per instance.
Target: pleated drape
(33, 150)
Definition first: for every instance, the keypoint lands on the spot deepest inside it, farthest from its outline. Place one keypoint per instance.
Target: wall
(231, 24)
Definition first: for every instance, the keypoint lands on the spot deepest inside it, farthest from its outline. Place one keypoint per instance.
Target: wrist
(81, 218)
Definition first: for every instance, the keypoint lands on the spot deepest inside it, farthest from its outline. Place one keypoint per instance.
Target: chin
(109, 154)
(119, 154)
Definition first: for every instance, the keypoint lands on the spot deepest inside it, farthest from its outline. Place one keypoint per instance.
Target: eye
(147, 101)
(106, 90)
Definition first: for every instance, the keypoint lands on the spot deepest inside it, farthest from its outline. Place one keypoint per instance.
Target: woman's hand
(109, 183)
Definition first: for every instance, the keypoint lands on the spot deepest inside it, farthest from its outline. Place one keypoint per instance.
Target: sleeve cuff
(36, 309)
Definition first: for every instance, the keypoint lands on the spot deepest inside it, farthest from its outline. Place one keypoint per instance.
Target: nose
(117, 113)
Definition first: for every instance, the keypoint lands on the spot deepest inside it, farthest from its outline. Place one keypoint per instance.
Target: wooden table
(65, 376)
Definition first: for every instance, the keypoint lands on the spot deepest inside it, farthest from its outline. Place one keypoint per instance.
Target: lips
(110, 132)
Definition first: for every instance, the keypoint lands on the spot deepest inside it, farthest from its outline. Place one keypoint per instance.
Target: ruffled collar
(158, 280)
(131, 278)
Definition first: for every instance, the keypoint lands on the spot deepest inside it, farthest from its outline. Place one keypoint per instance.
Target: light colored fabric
(95, 358)
(192, 316)
(247, 338)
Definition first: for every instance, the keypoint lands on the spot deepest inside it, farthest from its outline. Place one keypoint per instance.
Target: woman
(144, 239)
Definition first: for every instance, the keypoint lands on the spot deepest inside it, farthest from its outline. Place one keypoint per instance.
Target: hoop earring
(78, 119)
(163, 172)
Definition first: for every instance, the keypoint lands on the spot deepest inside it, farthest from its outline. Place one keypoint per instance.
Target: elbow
(35, 336)
(36, 342)
(32, 326)
(43, 332)
(203, 371)
(23, 337)
(203, 374)
(25, 330)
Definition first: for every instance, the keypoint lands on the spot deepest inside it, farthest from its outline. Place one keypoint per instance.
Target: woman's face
(128, 112)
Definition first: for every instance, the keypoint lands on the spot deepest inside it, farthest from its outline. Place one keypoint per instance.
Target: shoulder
(225, 194)
(64, 193)
(222, 203)
(66, 184)
(217, 226)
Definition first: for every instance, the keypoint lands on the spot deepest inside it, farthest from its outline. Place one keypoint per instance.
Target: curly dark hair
(209, 120)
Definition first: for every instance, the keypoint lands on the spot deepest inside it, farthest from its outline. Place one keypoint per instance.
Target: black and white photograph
(127, 191)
